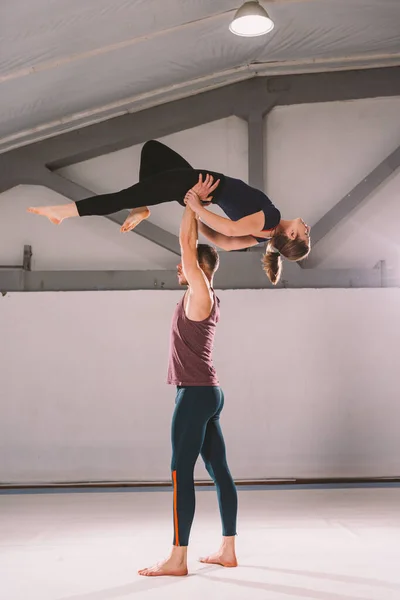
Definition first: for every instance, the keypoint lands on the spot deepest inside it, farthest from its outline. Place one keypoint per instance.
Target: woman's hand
(204, 188)
(193, 200)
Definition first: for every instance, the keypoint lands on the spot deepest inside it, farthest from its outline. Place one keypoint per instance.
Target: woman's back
(238, 199)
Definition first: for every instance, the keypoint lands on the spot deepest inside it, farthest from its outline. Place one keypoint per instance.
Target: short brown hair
(208, 256)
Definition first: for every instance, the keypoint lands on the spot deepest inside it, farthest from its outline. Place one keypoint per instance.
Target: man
(199, 402)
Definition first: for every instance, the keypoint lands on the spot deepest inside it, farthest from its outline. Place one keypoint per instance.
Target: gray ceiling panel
(68, 63)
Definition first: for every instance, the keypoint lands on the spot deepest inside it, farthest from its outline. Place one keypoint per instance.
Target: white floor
(330, 544)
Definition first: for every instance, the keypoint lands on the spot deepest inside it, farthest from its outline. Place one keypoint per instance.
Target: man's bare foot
(220, 559)
(226, 555)
(136, 216)
(166, 567)
(55, 214)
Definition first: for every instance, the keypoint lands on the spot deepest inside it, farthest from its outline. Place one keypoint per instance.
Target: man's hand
(193, 200)
(204, 188)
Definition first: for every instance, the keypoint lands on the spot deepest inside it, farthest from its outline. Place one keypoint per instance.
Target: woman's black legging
(164, 176)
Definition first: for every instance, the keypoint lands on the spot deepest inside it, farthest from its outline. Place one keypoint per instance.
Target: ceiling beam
(237, 271)
(338, 213)
(14, 280)
(256, 149)
(337, 86)
(135, 128)
(191, 88)
(236, 99)
(151, 232)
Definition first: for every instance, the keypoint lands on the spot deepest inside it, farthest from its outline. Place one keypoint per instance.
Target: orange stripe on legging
(176, 508)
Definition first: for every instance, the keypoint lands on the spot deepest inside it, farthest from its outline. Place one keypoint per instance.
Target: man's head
(208, 259)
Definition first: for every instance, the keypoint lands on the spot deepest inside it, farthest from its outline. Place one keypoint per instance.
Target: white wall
(80, 374)
(76, 244)
(311, 380)
(316, 153)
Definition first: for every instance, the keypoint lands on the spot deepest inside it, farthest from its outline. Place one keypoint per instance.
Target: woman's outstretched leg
(157, 157)
(168, 186)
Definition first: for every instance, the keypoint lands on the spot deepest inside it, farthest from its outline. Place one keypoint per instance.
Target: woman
(165, 176)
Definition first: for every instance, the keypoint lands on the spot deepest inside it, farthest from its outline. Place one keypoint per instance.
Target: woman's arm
(245, 226)
(249, 225)
(225, 242)
(219, 239)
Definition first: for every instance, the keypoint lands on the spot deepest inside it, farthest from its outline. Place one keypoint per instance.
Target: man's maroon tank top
(191, 346)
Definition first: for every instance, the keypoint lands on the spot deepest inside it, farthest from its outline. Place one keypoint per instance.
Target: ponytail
(282, 245)
(272, 264)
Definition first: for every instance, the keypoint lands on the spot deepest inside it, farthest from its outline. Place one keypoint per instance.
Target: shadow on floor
(207, 573)
(333, 577)
(290, 590)
(145, 584)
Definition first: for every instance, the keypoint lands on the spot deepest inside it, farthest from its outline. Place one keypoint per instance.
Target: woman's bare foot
(55, 214)
(136, 216)
(226, 555)
(175, 565)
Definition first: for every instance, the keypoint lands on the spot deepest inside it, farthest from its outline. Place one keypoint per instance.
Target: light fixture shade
(251, 20)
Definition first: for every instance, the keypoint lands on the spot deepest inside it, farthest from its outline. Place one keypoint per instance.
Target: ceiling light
(251, 20)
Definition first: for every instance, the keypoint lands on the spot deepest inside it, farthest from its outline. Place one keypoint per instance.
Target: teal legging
(196, 430)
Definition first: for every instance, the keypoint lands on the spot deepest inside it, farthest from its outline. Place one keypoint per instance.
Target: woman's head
(291, 240)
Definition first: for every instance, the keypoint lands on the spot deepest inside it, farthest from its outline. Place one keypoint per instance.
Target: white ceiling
(67, 63)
